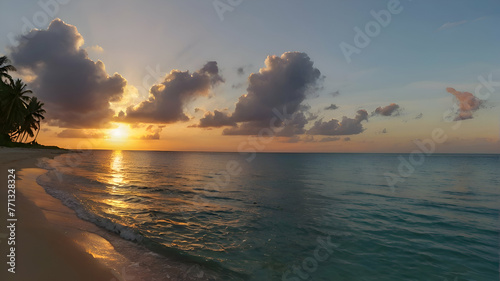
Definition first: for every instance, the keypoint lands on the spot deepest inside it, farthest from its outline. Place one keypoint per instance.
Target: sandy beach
(44, 250)
(52, 243)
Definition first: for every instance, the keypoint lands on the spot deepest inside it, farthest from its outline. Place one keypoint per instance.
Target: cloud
(334, 127)
(216, 119)
(420, 115)
(468, 103)
(282, 85)
(457, 23)
(331, 107)
(347, 139)
(329, 139)
(167, 100)
(80, 134)
(387, 110)
(384, 131)
(95, 48)
(153, 132)
(76, 90)
(336, 93)
(452, 24)
(240, 71)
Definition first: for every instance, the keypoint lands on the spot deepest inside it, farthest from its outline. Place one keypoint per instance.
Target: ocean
(294, 216)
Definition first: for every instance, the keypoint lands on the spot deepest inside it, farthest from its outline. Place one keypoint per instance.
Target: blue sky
(428, 46)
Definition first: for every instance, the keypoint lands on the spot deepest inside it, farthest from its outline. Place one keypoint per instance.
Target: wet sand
(52, 243)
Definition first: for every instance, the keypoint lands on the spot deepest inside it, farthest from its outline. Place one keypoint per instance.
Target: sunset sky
(210, 75)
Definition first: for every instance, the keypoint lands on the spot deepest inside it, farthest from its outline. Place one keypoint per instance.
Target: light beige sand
(43, 252)
(52, 243)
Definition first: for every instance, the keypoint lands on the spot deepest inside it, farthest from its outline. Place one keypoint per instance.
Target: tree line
(20, 112)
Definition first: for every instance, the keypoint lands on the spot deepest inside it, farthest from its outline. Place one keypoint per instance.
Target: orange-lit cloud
(467, 103)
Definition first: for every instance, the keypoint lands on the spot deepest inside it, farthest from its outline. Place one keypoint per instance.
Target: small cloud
(336, 93)
(457, 23)
(452, 24)
(331, 107)
(311, 116)
(238, 86)
(334, 127)
(390, 110)
(347, 139)
(384, 131)
(468, 103)
(420, 115)
(329, 139)
(153, 132)
(95, 49)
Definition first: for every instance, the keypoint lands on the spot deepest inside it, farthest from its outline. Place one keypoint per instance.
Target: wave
(55, 183)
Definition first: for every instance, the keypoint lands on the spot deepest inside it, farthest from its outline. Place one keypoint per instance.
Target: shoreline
(42, 250)
(54, 244)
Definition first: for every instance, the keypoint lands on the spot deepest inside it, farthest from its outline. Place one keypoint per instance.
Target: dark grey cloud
(331, 107)
(284, 83)
(216, 119)
(334, 127)
(336, 93)
(167, 100)
(390, 110)
(347, 139)
(420, 115)
(240, 71)
(76, 90)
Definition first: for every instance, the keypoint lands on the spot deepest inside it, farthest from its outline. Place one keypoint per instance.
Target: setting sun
(120, 133)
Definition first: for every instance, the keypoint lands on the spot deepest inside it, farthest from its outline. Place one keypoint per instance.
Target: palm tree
(33, 117)
(14, 104)
(5, 68)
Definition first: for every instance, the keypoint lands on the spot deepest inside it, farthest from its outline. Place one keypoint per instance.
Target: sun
(119, 133)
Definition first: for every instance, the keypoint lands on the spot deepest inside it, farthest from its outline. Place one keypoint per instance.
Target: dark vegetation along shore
(20, 111)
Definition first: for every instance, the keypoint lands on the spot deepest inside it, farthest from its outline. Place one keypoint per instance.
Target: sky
(240, 75)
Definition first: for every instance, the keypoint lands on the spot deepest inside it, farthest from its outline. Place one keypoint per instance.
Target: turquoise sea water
(294, 216)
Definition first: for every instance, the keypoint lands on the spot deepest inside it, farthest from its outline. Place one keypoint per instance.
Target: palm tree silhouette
(5, 68)
(20, 115)
(34, 115)
(14, 104)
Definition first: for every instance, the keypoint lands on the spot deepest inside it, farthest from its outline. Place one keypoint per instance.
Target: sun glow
(120, 133)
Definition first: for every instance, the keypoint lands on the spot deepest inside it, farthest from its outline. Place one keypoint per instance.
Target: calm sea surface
(294, 216)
